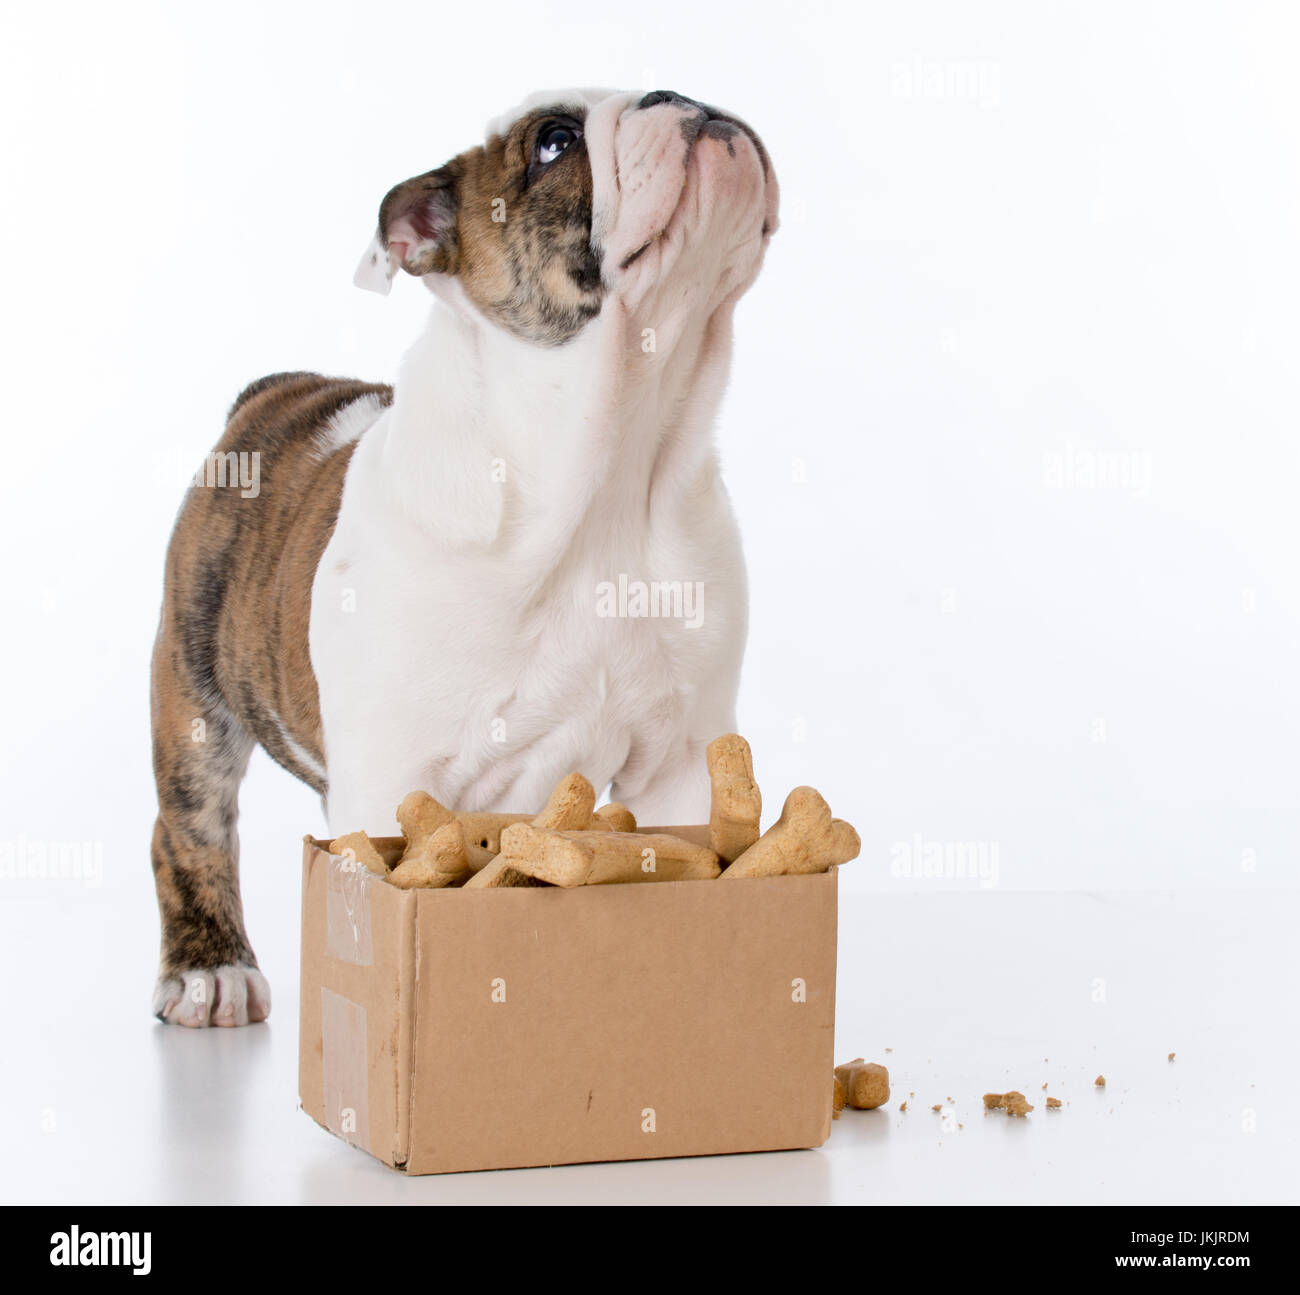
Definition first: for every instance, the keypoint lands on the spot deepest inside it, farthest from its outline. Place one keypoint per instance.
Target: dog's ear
(417, 231)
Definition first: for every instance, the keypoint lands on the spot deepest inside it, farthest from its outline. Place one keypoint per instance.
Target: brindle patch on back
(521, 242)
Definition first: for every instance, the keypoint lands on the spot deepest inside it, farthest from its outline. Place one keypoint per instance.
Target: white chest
(491, 671)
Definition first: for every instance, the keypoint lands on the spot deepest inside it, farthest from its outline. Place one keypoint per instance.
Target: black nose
(667, 96)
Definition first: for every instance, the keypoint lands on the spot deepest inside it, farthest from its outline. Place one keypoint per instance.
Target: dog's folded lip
(632, 257)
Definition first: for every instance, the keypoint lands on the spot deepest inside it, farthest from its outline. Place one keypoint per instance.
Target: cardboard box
(450, 1030)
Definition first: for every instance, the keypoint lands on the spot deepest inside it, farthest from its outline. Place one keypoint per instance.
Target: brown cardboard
(449, 1030)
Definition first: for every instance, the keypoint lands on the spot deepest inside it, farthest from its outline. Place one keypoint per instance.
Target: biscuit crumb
(1053, 1103)
(1044, 1085)
(1171, 1056)
(1099, 1082)
(1013, 1103)
(938, 1106)
(903, 1106)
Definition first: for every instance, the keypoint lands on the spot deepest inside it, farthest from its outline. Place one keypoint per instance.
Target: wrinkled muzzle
(666, 167)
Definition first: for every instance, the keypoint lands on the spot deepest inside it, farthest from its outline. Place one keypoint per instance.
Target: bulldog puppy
(517, 561)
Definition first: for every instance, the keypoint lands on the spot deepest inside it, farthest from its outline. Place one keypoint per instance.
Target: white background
(1020, 242)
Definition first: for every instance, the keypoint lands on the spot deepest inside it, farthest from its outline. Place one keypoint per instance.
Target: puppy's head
(578, 198)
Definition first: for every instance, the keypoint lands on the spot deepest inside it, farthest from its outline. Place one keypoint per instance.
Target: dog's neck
(496, 441)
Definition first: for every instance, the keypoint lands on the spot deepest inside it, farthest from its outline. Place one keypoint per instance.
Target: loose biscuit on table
(865, 1083)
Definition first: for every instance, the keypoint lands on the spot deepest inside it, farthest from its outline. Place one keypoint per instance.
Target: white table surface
(957, 993)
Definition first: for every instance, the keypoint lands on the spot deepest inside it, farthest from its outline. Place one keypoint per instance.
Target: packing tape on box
(345, 1068)
(347, 911)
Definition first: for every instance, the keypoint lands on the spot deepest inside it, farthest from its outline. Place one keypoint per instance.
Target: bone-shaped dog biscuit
(645, 856)
(570, 805)
(483, 831)
(433, 861)
(804, 839)
(479, 858)
(614, 817)
(419, 815)
(601, 858)
(358, 847)
(736, 803)
(544, 854)
(390, 854)
(500, 875)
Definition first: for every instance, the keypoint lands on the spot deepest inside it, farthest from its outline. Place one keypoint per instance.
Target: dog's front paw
(232, 995)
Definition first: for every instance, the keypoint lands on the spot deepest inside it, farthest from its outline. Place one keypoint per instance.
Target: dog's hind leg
(208, 974)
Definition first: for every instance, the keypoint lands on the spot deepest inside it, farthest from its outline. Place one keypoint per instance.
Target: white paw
(233, 995)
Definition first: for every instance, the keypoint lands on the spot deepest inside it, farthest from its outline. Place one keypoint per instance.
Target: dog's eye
(553, 140)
